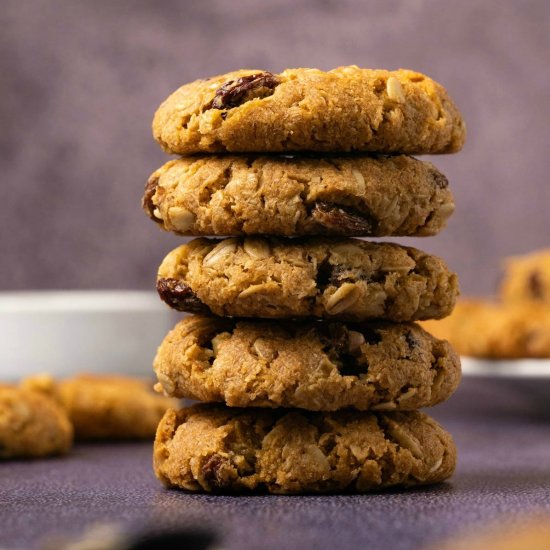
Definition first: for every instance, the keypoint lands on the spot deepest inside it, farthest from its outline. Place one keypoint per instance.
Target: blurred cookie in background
(527, 278)
(515, 326)
(32, 425)
(106, 407)
(493, 330)
(522, 534)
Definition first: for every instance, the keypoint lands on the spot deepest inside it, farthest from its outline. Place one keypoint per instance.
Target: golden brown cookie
(527, 278)
(32, 425)
(484, 329)
(319, 366)
(344, 279)
(106, 407)
(346, 109)
(299, 195)
(215, 448)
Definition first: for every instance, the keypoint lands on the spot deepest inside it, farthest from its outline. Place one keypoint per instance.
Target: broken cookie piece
(32, 425)
(105, 407)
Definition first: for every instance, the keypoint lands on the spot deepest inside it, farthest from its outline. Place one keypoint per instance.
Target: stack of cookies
(303, 341)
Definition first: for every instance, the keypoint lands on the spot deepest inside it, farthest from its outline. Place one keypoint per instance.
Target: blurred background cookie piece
(527, 278)
(106, 407)
(32, 425)
(492, 330)
(523, 534)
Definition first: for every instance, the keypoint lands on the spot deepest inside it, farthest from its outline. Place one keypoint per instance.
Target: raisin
(340, 220)
(212, 472)
(147, 200)
(372, 335)
(333, 336)
(179, 296)
(324, 274)
(412, 341)
(536, 288)
(339, 337)
(352, 367)
(327, 443)
(440, 180)
(236, 92)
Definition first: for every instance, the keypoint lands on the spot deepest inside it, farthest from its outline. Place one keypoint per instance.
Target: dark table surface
(502, 430)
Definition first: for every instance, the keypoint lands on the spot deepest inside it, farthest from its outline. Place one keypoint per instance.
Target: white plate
(509, 368)
(63, 333)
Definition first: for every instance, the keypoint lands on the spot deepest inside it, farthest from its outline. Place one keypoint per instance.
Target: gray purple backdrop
(80, 81)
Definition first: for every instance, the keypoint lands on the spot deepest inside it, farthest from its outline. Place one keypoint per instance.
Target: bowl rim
(506, 368)
(81, 301)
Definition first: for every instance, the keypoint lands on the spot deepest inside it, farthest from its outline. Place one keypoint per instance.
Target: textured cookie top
(344, 279)
(478, 328)
(321, 366)
(106, 407)
(346, 109)
(353, 195)
(215, 448)
(527, 277)
(32, 425)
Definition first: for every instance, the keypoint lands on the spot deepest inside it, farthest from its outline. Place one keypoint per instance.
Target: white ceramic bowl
(63, 333)
(506, 368)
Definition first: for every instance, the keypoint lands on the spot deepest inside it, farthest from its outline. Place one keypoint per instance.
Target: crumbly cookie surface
(346, 109)
(106, 407)
(527, 278)
(214, 448)
(479, 328)
(319, 366)
(32, 425)
(344, 279)
(299, 195)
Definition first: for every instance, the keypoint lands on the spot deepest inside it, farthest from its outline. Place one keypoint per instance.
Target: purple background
(80, 82)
